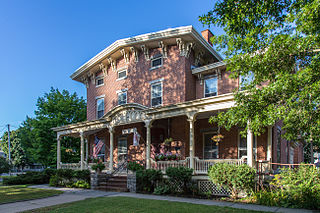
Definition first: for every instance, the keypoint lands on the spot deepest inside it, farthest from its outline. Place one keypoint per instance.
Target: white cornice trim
(171, 32)
(208, 67)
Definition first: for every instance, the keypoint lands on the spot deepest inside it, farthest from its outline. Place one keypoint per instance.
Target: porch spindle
(87, 149)
(82, 151)
(111, 131)
(58, 151)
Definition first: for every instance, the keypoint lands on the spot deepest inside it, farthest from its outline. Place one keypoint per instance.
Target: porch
(186, 123)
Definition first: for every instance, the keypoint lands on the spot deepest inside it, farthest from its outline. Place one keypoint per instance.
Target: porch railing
(201, 166)
(77, 166)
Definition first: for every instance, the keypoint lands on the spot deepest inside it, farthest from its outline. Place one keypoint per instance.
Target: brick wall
(173, 73)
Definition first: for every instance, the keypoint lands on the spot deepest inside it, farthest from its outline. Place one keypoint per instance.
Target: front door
(210, 148)
(122, 150)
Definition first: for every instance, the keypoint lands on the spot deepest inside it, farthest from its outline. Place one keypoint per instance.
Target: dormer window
(99, 81)
(156, 61)
(122, 74)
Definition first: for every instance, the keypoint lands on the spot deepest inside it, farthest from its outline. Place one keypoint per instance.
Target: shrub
(68, 178)
(134, 166)
(162, 190)
(82, 175)
(235, 178)
(147, 179)
(296, 188)
(81, 184)
(27, 178)
(98, 167)
(180, 176)
(4, 165)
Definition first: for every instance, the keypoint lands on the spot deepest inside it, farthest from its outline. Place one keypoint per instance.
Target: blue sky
(43, 42)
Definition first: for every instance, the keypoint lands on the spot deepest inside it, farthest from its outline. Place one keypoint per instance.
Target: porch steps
(115, 183)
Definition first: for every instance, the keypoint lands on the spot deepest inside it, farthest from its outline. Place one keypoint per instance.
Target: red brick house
(164, 86)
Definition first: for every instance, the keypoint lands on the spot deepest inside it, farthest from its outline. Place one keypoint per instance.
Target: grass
(9, 194)
(126, 204)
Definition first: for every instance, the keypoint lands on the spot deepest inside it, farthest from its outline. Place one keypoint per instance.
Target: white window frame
(104, 146)
(99, 98)
(204, 85)
(153, 84)
(120, 92)
(156, 58)
(122, 70)
(99, 77)
(203, 143)
(255, 150)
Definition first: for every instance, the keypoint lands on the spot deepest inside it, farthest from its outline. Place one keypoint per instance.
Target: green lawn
(126, 204)
(10, 194)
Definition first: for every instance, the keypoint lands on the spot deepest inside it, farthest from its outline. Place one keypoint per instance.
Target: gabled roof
(140, 39)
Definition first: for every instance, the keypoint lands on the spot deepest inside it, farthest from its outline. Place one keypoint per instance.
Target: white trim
(255, 148)
(122, 70)
(101, 96)
(156, 81)
(99, 77)
(207, 67)
(122, 90)
(168, 33)
(156, 58)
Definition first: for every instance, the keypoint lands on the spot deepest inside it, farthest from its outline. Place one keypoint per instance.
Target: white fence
(77, 166)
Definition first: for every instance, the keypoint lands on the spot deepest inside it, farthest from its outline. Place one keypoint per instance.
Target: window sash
(156, 94)
(99, 81)
(210, 148)
(100, 107)
(210, 86)
(122, 74)
(156, 62)
(122, 98)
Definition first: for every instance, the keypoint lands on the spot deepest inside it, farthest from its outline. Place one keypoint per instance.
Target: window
(245, 80)
(210, 86)
(156, 61)
(122, 149)
(210, 148)
(122, 97)
(100, 107)
(242, 146)
(102, 152)
(156, 94)
(99, 81)
(122, 74)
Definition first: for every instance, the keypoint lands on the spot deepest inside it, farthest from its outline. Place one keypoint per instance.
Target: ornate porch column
(111, 132)
(250, 160)
(148, 124)
(269, 146)
(58, 151)
(81, 151)
(191, 119)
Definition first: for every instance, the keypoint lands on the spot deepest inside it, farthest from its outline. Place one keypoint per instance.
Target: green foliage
(180, 176)
(134, 166)
(279, 41)
(147, 179)
(27, 178)
(98, 167)
(296, 188)
(18, 156)
(81, 184)
(233, 177)
(71, 178)
(4, 165)
(162, 190)
(53, 109)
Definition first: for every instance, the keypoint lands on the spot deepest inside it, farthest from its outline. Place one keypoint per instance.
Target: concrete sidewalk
(71, 195)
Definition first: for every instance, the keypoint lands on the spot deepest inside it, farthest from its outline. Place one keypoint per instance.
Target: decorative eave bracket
(184, 48)
(163, 49)
(112, 62)
(135, 54)
(145, 50)
(103, 68)
(125, 55)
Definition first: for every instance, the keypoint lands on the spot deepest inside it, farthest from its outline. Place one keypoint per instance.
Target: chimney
(207, 34)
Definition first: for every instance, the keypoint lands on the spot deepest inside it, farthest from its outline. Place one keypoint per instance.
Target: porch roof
(134, 113)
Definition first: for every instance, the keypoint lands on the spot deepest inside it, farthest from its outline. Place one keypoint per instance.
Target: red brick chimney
(207, 34)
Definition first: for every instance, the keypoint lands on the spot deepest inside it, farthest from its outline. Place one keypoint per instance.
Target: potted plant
(98, 167)
(217, 138)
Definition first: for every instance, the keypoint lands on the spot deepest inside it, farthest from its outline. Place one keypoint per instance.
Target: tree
(4, 166)
(279, 42)
(18, 157)
(53, 109)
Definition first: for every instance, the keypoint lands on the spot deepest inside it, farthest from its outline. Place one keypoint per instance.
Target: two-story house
(161, 88)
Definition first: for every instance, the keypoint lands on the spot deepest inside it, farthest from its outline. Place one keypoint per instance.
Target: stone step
(113, 188)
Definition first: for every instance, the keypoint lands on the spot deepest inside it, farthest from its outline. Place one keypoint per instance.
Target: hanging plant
(167, 141)
(217, 138)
